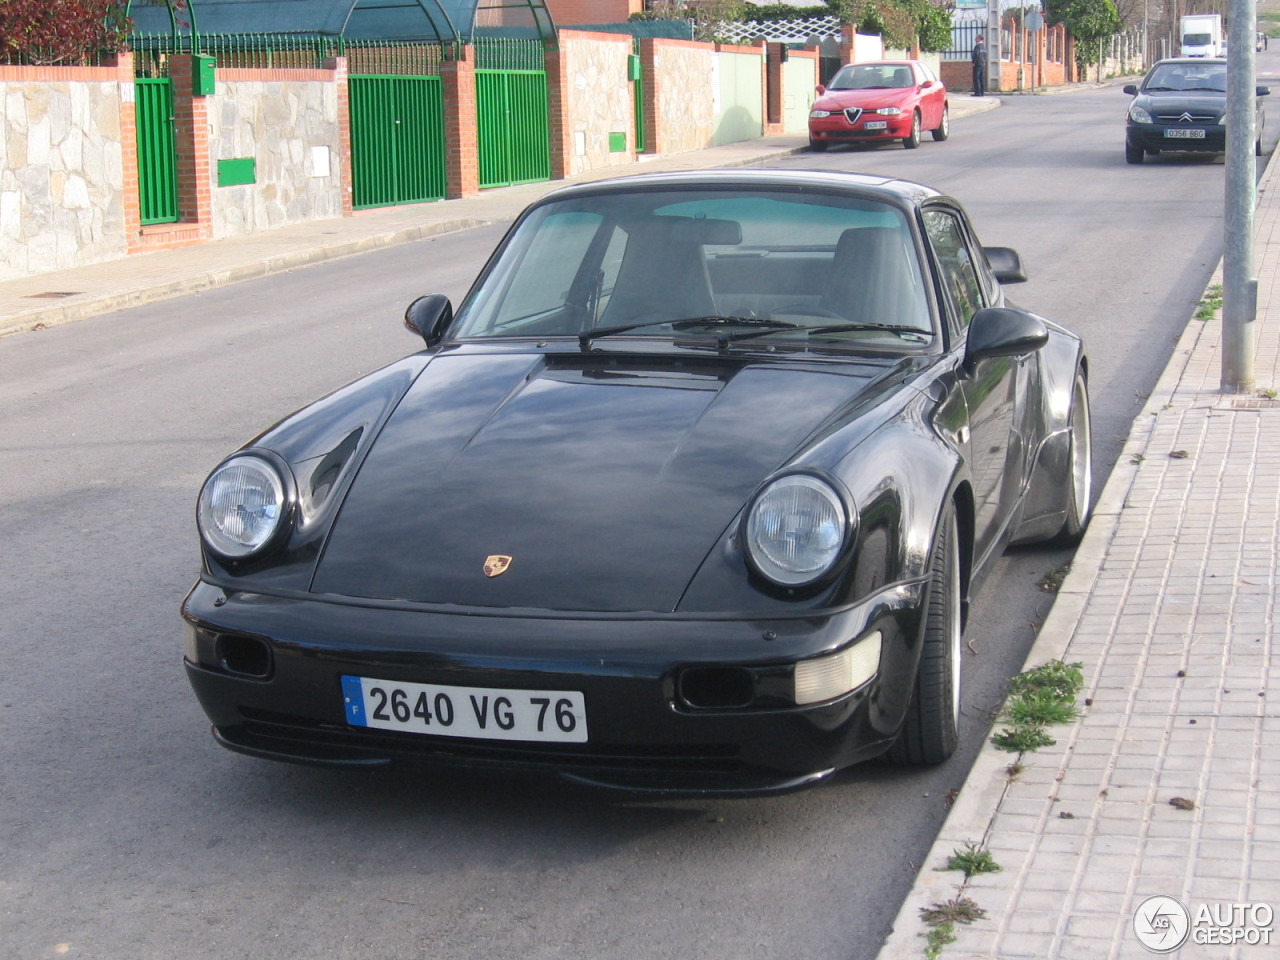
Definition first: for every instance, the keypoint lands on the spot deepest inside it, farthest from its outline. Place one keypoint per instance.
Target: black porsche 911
(690, 495)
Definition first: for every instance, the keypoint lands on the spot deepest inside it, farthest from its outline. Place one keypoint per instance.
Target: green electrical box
(617, 143)
(202, 81)
(235, 173)
(633, 67)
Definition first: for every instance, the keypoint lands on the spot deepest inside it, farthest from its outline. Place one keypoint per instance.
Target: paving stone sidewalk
(1171, 609)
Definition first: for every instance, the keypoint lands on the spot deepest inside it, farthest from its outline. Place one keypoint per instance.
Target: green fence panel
(157, 151)
(397, 140)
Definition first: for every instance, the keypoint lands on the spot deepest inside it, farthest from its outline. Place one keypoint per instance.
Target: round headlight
(241, 506)
(796, 530)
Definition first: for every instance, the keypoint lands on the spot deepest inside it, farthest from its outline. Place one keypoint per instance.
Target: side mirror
(1131, 89)
(1003, 332)
(429, 317)
(1264, 91)
(927, 85)
(821, 88)
(1006, 264)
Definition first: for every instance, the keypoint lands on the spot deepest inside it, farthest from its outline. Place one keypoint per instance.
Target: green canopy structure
(445, 21)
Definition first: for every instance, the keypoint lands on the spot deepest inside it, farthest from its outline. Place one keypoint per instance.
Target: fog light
(825, 678)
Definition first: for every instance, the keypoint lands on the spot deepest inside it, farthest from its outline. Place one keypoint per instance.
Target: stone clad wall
(601, 101)
(61, 171)
(684, 88)
(291, 130)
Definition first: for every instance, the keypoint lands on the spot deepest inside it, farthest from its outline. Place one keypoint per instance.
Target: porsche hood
(569, 482)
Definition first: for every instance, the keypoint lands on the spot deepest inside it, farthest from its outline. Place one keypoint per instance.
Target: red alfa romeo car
(882, 100)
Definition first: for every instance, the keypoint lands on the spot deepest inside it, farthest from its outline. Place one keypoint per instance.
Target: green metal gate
(157, 150)
(397, 122)
(397, 140)
(512, 125)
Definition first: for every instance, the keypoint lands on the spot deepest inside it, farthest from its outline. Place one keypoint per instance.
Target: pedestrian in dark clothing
(979, 58)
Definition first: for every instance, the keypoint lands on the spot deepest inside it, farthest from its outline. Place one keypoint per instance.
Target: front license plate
(482, 713)
(877, 124)
(1184, 134)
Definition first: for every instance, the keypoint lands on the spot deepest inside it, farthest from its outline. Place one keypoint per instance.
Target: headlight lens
(241, 506)
(1139, 114)
(889, 111)
(796, 530)
(819, 114)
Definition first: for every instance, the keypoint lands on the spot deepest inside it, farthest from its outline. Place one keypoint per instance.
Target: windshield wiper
(905, 332)
(585, 338)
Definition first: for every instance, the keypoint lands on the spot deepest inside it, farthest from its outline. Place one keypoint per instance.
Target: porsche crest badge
(496, 565)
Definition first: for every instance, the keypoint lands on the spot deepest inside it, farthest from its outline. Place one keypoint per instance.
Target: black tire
(817, 146)
(912, 140)
(1257, 147)
(1078, 504)
(931, 730)
(944, 128)
(1133, 154)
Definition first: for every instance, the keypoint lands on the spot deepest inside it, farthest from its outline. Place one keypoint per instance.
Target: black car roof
(891, 190)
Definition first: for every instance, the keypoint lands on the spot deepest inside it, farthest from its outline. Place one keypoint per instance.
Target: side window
(960, 277)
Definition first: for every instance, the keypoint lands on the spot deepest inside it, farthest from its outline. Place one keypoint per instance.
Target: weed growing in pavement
(937, 938)
(1210, 304)
(973, 860)
(1038, 698)
(1051, 582)
(1268, 394)
(959, 910)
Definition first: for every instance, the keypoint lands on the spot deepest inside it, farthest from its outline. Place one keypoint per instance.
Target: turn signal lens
(825, 678)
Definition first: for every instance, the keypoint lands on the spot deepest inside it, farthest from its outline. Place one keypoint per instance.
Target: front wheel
(944, 128)
(817, 146)
(1133, 154)
(912, 140)
(1078, 497)
(932, 726)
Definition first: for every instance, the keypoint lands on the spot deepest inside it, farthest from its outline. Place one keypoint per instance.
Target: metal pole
(1239, 285)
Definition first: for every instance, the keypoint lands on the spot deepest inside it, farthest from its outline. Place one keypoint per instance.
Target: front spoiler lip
(743, 784)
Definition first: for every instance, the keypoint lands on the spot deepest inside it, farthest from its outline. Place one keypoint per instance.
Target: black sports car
(1181, 105)
(690, 494)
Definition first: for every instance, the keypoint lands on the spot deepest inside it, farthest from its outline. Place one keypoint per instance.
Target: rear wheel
(932, 726)
(912, 140)
(1133, 154)
(1079, 484)
(944, 128)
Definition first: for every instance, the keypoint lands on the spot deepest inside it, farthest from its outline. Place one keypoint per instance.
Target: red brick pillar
(846, 43)
(652, 95)
(130, 198)
(461, 150)
(346, 184)
(561, 138)
(773, 88)
(191, 135)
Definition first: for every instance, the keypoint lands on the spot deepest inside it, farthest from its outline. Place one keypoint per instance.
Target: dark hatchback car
(1180, 106)
(690, 494)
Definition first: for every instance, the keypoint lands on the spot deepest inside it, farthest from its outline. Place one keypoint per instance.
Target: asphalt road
(128, 835)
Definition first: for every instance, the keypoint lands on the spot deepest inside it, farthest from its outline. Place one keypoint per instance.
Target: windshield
(1188, 76)
(867, 76)
(720, 264)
